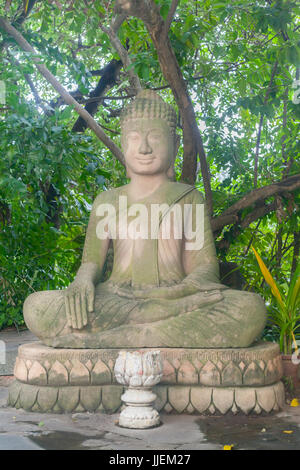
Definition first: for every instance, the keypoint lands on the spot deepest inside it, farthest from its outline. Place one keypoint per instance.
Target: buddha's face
(148, 146)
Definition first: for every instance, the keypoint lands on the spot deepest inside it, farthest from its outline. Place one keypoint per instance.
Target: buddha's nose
(145, 147)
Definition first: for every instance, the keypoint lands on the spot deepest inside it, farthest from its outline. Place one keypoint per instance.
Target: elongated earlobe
(171, 173)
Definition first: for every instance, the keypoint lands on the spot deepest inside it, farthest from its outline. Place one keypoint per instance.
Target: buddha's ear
(171, 173)
(171, 169)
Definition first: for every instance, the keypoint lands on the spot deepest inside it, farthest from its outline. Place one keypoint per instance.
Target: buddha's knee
(254, 313)
(249, 314)
(255, 308)
(42, 312)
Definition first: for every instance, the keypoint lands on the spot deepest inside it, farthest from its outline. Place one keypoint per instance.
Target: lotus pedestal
(195, 381)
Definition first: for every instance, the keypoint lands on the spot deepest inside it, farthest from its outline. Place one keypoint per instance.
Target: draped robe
(188, 306)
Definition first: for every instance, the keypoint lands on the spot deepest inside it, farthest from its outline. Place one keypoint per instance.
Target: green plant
(285, 314)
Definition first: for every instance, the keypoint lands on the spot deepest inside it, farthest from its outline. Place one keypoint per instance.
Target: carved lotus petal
(126, 379)
(47, 398)
(271, 372)
(58, 374)
(201, 398)
(37, 374)
(253, 375)
(111, 398)
(187, 373)
(121, 379)
(179, 398)
(14, 392)
(120, 363)
(90, 397)
(137, 369)
(231, 375)
(149, 381)
(135, 381)
(223, 399)
(79, 374)
(169, 375)
(161, 397)
(266, 398)
(245, 399)
(68, 398)
(149, 366)
(154, 363)
(28, 396)
(20, 370)
(101, 374)
(134, 366)
(209, 374)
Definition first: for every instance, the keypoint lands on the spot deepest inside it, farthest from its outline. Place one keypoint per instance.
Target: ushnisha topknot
(148, 104)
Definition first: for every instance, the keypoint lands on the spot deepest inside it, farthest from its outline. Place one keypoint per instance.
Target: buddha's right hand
(79, 300)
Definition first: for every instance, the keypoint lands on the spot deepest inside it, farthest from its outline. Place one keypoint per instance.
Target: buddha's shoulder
(109, 195)
(187, 190)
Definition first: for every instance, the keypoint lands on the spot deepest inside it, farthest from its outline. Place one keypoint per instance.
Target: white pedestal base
(139, 412)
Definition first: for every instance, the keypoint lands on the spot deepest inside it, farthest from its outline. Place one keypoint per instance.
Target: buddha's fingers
(78, 310)
(68, 312)
(83, 309)
(91, 298)
(72, 310)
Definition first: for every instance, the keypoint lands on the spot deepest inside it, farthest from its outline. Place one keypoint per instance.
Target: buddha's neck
(141, 186)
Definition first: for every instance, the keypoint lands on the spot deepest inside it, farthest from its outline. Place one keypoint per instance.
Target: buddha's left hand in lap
(163, 292)
(176, 291)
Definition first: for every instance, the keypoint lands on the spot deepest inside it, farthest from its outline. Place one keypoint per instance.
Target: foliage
(239, 60)
(285, 313)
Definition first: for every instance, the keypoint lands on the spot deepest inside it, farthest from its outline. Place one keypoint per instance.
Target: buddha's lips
(146, 160)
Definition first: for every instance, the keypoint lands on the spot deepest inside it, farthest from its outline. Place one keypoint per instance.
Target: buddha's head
(148, 136)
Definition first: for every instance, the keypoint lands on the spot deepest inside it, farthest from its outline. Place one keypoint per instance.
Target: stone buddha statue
(164, 289)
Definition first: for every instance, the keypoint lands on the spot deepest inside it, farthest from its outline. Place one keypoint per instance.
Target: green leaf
(144, 70)
(164, 10)
(293, 55)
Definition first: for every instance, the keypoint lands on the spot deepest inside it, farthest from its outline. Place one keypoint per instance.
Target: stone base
(194, 381)
(170, 399)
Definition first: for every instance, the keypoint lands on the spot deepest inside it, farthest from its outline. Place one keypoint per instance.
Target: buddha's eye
(155, 135)
(134, 136)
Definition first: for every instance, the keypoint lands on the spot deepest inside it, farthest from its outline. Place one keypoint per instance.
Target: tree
(228, 68)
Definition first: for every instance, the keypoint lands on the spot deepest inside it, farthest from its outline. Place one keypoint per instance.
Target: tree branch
(117, 22)
(19, 19)
(240, 226)
(9, 29)
(170, 16)
(108, 80)
(124, 56)
(230, 215)
(24, 14)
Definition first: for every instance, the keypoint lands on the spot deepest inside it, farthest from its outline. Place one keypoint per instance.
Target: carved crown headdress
(148, 104)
